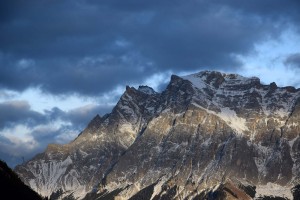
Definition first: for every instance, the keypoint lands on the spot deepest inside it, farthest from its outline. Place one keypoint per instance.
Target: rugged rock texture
(207, 136)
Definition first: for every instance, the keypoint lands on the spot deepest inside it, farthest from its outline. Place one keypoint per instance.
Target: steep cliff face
(78, 166)
(208, 135)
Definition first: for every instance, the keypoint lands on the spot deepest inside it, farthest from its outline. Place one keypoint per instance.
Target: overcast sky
(64, 61)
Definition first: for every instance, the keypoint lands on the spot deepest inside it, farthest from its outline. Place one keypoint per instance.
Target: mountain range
(208, 135)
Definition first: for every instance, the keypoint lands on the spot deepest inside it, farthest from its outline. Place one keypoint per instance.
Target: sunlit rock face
(206, 136)
(80, 165)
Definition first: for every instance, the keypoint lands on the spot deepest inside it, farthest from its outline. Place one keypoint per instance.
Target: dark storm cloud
(78, 117)
(293, 60)
(83, 115)
(7, 156)
(269, 9)
(18, 112)
(88, 47)
(89, 75)
(13, 113)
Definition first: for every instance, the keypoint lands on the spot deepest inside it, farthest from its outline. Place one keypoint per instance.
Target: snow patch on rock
(272, 189)
(230, 117)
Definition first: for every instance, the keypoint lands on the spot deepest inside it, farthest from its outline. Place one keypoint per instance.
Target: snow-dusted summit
(208, 135)
(146, 89)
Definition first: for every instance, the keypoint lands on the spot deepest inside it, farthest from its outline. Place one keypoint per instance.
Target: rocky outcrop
(80, 165)
(208, 135)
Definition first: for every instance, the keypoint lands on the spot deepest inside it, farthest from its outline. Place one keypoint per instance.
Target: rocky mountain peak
(216, 79)
(273, 86)
(95, 123)
(206, 132)
(146, 89)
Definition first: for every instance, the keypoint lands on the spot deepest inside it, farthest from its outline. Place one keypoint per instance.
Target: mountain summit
(208, 135)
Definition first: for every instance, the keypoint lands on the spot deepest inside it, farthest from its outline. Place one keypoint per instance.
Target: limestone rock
(208, 135)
